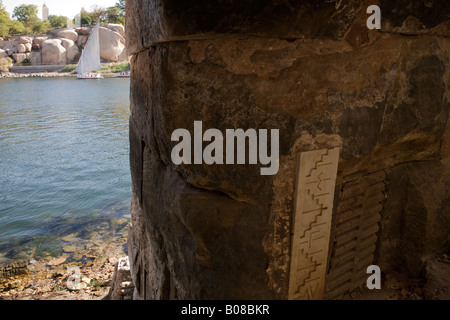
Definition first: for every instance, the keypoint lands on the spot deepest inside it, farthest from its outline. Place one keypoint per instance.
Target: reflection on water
(64, 160)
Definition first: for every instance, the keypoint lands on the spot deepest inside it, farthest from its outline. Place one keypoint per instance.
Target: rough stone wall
(314, 71)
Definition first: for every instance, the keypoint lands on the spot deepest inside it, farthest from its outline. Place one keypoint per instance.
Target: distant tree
(116, 13)
(96, 13)
(40, 26)
(85, 17)
(86, 20)
(89, 18)
(121, 5)
(4, 21)
(26, 13)
(16, 27)
(83, 12)
(7, 25)
(57, 21)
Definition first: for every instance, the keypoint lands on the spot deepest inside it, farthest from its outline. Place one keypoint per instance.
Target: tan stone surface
(68, 34)
(52, 52)
(112, 45)
(314, 196)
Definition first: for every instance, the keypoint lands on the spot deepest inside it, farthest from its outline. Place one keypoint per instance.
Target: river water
(64, 165)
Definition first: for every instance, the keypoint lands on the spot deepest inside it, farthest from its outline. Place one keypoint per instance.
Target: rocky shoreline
(61, 46)
(46, 75)
(36, 75)
(49, 278)
(83, 248)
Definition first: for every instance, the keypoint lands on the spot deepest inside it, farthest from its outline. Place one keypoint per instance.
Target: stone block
(19, 57)
(36, 58)
(315, 74)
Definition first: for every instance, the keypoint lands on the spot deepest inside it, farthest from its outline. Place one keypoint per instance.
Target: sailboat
(90, 57)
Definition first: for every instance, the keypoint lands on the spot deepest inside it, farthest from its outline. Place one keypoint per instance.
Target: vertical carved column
(314, 194)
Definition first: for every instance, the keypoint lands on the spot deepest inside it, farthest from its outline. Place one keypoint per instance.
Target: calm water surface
(63, 159)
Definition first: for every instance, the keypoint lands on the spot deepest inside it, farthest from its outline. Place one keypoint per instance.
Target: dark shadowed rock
(416, 216)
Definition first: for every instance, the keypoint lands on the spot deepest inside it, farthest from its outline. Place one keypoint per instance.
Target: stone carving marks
(314, 194)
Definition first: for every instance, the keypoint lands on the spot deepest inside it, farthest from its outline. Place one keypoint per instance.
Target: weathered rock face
(122, 285)
(25, 40)
(66, 43)
(71, 49)
(19, 57)
(120, 29)
(82, 40)
(325, 81)
(52, 52)
(38, 40)
(68, 34)
(21, 48)
(112, 45)
(11, 46)
(35, 58)
(438, 279)
(83, 31)
(418, 201)
(28, 47)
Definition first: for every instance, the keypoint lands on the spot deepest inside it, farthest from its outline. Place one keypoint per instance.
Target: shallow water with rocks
(65, 185)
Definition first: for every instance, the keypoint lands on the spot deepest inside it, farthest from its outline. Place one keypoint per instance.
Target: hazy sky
(68, 8)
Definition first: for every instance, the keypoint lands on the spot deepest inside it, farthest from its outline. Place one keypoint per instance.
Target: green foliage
(57, 21)
(96, 285)
(60, 288)
(89, 18)
(26, 21)
(86, 20)
(5, 64)
(97, 13)
(115, 15)
(68, 68)
(27, 60)
(8, 26)
(115, 67)
(16, 27)
(4, 21)
(121, 5)
(40, 26)
(26, 13)
(106, 68)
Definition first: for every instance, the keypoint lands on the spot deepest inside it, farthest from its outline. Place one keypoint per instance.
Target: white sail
(90, 57)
